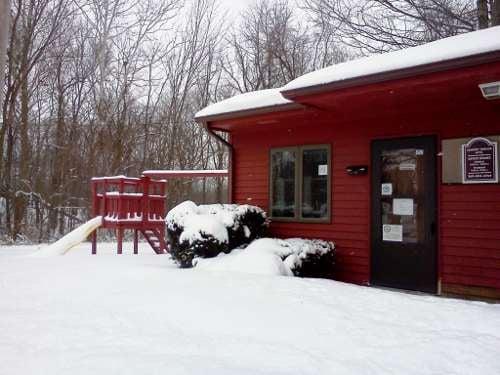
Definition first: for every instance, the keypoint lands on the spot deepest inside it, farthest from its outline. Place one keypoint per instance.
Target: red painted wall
(469, 216)
(470, 235)
(350, 195)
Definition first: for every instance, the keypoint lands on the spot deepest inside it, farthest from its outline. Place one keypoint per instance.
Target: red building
(394, 157)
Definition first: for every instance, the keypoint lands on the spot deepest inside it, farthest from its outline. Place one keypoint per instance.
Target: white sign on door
(392, 233)
(402, 206)
(386, 189)
(407, 167)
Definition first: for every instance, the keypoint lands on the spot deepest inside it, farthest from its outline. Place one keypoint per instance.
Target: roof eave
(440, 66)
(248, 113)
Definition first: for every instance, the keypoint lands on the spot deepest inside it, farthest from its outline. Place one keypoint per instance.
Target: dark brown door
(404, 214)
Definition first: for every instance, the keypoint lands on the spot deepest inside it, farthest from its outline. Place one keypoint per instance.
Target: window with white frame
(300, 183)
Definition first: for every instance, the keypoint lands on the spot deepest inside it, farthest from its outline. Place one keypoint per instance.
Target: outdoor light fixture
(357, 170)
(490, 90)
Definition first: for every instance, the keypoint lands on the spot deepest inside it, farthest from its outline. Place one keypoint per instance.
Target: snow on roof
(119, 177)
(464, 45)
(247, 101)
(185, 171)
(459, 46)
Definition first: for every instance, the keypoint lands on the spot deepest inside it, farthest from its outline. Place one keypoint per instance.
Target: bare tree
(35, 27)
(267, 48)
(4, 37)
(488, 13)
(270, 47)
(382, 25)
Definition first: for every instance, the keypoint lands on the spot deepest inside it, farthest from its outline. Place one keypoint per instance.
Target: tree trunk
(58, 164)
(7, 176)
(482, 14)
(20, 200)
(495, 12)
(4, 37)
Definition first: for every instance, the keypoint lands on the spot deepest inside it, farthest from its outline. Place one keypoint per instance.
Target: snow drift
(271, 256)
(140, 314)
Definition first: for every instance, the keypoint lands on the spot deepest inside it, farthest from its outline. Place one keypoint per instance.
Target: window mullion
(298, 185)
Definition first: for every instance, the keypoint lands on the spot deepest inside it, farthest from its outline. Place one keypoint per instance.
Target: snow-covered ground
(109, 314)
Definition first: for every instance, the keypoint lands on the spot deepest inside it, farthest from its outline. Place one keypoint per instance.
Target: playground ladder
(155, 240)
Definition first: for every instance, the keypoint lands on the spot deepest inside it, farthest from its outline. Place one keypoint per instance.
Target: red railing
(137, 204)
(129, 202)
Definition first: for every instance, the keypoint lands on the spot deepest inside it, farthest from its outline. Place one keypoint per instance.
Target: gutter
(213, 134)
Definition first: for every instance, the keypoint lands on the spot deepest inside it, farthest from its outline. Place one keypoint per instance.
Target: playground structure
(138, 204)
(131, 203)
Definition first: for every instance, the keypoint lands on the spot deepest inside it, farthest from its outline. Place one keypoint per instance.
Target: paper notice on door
(392, 233)
(323, 170)
(402, 207)
(407, 167)
(386, 189)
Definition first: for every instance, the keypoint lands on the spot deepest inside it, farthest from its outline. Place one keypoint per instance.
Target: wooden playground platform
(138, 204)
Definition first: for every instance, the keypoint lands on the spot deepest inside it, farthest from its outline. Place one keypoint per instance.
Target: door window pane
(403, 170)
(283, 165)
(314, 183)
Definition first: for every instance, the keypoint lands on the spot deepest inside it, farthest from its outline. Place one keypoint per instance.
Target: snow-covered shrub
(202, 236)
(304, 258)
(270, 256)
(310, 258)
(206, 230)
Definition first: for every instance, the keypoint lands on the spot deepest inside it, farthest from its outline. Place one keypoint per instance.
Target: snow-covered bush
(270, 256)
(310, 258)
(207, 230)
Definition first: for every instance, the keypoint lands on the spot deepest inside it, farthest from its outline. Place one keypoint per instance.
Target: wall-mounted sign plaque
(479, 161)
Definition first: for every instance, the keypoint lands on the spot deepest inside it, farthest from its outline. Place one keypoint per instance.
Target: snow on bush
(270, 256)
(197, 225)
(310, 258)
(207, 230)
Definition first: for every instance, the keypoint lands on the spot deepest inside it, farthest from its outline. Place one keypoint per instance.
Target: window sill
(301, 221)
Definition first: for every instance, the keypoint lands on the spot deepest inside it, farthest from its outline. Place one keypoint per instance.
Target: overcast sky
(235, 5)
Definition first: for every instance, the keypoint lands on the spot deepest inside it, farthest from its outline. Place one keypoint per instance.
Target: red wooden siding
(469, 215)
(350, 224)
(470, 235)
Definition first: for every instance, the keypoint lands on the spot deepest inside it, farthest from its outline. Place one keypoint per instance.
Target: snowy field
(109, 314)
